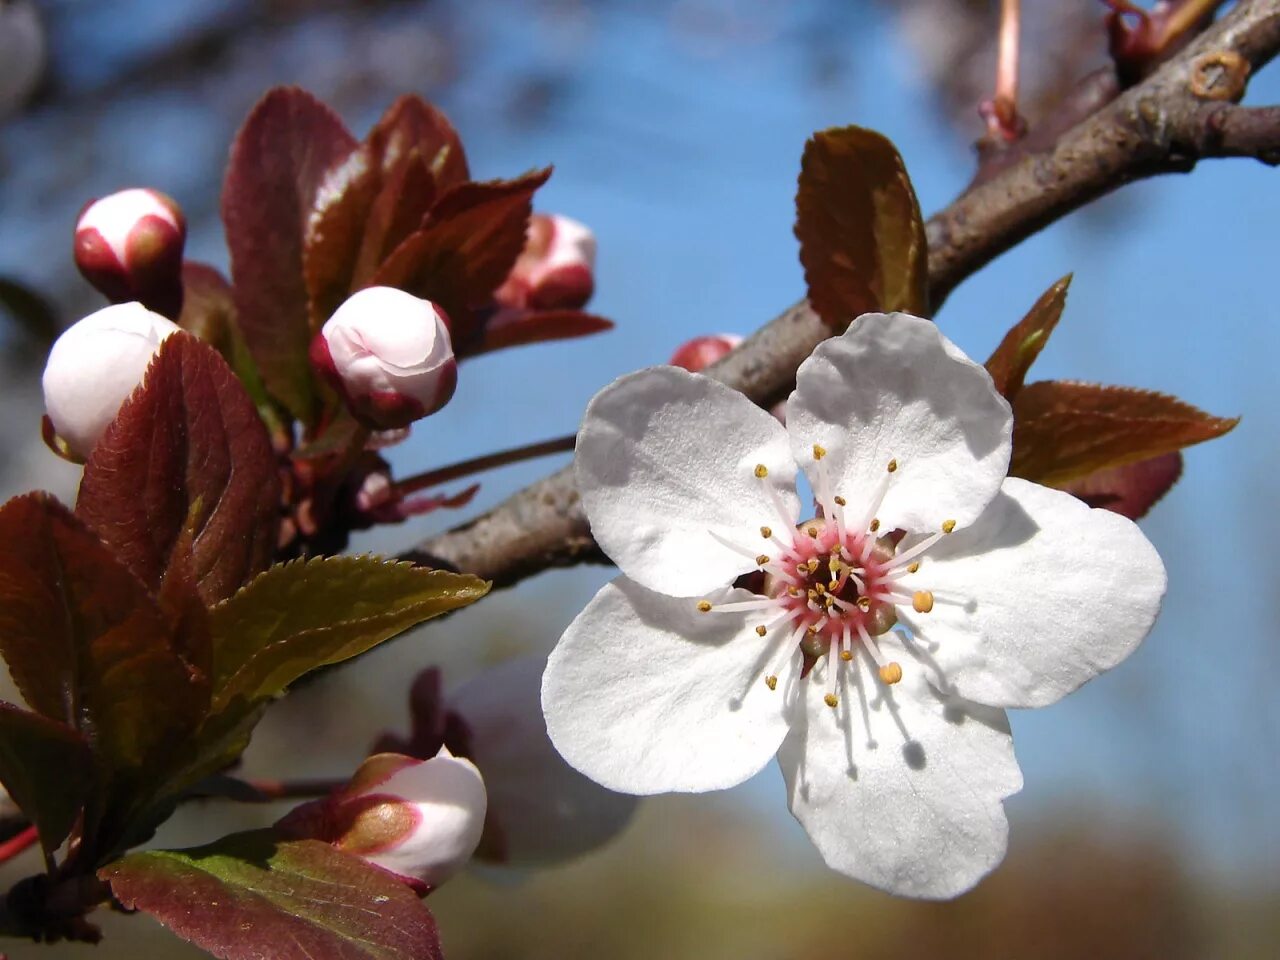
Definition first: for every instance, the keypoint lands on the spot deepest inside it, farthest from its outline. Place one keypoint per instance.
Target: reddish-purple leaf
(47, 769)
(279, 160)
(862, 240)
(467, 246)
(1130, 490)
(514, 328)
(252, 896)
(375, 199)
(84, 642)
(1009, 364)
(186, 451)
(208, 305)
(1064, 431)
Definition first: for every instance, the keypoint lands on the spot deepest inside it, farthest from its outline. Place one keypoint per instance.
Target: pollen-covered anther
(913, 567)
(766, 532)
(893, 466)
(875, 525)
(891, 672)
(922, 601)
(761, 471)
(831, 700)
(762, 559)
(840, 501)
(948, 526)
(771, 682)
(704, 606)
(761, 631)
(846, 655)
(819, 451)
(864, 604)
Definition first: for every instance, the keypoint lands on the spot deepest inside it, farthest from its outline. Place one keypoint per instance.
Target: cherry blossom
(872, 645)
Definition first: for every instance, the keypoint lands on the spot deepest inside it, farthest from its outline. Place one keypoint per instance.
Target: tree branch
(1180, 114)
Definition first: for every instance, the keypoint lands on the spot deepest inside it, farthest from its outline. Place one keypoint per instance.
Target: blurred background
(1149, 825)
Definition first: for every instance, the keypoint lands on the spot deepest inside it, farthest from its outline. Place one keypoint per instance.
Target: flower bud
(388, 355)
(418, 819)
(95, 365)
(699, 353)
(129, 246)
(556, 271)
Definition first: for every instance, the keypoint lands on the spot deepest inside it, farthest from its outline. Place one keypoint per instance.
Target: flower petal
(666, 457)
(543, 810)
(901, 787)
(644, 694)
(893, 388)
(1044, 594)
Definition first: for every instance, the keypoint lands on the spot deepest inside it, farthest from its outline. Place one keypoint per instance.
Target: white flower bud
(129, 245)
(556, 271)
(418, 819)
(95, 365)
(388, 355)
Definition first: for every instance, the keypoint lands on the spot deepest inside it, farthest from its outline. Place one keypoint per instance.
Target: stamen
(873, 507)
(761, 631)
(913, 567)
(890, 670)
(831, 699)
(948, 526)
(893, 466)
(761, 471)
(891, 673)
(735, 547)
(766, 532)
(819, 451)
(762, 559)
(704, 606)
(922, 601)
(764, 603)
(907, 556)
(875, 525)
(846, 644)
(788, 647)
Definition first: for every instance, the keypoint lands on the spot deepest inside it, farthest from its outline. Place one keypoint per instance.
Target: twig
(18, 842)
(489, 461)
(1159, 126)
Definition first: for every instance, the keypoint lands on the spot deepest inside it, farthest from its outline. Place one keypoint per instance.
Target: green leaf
(85, 643)
(279, 160)
(862, 240)
(301, 615)
(1009, 364)
(251, 896)
(47, 769)
(467, 245)
(1064, 431)
(187, 450)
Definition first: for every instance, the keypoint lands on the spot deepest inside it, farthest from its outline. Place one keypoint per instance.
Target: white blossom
(880, 639)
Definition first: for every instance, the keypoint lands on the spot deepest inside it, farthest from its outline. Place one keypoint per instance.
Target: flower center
(834, 582)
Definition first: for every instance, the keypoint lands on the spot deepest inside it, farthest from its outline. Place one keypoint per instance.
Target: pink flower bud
(556, 271)
(95, 365)
(388, 355)
(129, 246)
(700, 352)
(418, 819)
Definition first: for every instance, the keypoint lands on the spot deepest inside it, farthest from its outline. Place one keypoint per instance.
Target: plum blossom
(556, 269)
(872, 646)
(129, 245)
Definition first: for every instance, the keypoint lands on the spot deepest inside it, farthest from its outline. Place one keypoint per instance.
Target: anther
(948, 526)
(846, 655)
(766, 532)
(820, 588)
(831, 700)
(864, 604)
(819, 451)
(840, 501)
(761, 471)
(803, 570)
(762, 560)
(813, 565)
(812, 629)
(922, 601)
(875, 525)
(704, 606)
(761, 631)
(771, 682)
(812, 531)
(893, 465)
(833, 586)
(913, 567)
(891, 672)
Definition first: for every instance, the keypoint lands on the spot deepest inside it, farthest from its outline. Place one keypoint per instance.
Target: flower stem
(18, 842)
(272, 790)
(1002, 111)
(466, 468)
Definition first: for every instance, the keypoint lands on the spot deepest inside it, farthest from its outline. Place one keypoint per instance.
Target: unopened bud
(556, 271)
(129, 246)
(699, 353)
(418, 819)
(388, 355)
(95, 365)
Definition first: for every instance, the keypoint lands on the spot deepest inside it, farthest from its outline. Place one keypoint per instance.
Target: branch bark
(1179, 115)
